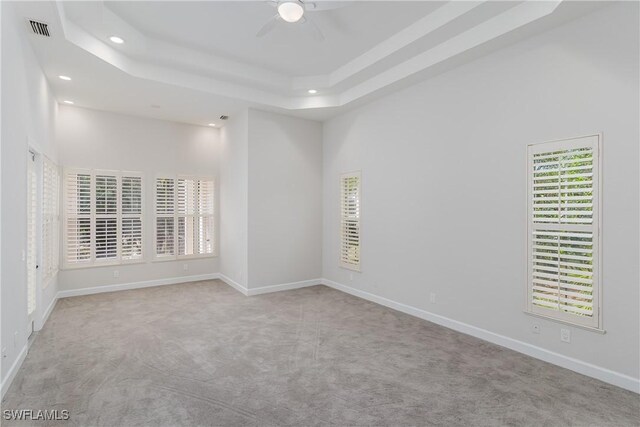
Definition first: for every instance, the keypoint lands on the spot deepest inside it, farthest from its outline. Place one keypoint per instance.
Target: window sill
(184, 258)
(564, 322)
(114, 264)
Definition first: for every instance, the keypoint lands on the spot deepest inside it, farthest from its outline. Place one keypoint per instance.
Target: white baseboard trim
(135, 285)
(270, 288)
(11, 373)
(584, 368)
(47, 313)
(237, 286)
(283, 287)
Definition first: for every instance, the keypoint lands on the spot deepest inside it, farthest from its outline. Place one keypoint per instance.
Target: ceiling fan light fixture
(290, 11)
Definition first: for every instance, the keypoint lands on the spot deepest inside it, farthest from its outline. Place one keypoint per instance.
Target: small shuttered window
(564, 230)
(50, 220)
(184, 217)
(350, 221)
(103, 217)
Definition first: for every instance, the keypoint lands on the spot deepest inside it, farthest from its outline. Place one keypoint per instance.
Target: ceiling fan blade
(315, 30)
(270, 25)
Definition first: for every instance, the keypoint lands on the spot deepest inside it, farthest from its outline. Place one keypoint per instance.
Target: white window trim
(175, 256)
(93, 263)
(594, 323)
(350, 266)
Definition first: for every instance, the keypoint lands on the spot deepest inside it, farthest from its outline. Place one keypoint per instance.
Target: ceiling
(228, 30)
(194, 61)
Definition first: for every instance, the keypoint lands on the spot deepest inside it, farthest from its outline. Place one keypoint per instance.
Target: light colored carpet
(203, 354)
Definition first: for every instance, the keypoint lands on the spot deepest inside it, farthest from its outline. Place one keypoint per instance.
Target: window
(50, 220)
(564, 231)
(350, 221)
(103, 218)
(184, 217)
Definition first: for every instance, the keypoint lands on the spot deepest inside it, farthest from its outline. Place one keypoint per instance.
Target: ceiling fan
(293, 11)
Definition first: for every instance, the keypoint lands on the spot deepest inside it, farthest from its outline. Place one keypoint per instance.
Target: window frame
(93, 262)
(341, 263)
(176, 214)
(593, 323)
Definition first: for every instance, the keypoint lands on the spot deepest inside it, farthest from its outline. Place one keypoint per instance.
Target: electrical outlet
(185, 267)
(4, 352)
(351, 276)
(535, 328)
(23, 255)
(565, 335)
(432, 297)
(116, 273)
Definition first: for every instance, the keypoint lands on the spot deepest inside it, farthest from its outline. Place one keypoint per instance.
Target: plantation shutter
(563, 238)
(165, 217)
(187, 193)
(78, 213)
(103, 213)
(350, 221)
(131, 216)
(50, 221)
(106, 216)
(205, 206)
(32, 254)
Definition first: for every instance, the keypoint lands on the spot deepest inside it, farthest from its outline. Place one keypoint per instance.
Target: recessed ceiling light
(312, 91)
(116, 39)
(212, 124)
(68, 102)
(290, 11)
(64, 78)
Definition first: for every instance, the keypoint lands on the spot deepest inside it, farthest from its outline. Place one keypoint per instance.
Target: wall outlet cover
(432, 297)
(565, 335)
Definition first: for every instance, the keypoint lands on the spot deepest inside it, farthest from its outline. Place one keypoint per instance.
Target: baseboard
(584, 368)
(135, 285)
(11, 374)
(237, 286)
(283, 287)
(49, 310)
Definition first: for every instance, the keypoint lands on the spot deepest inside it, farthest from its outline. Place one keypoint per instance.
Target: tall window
(50, 220)
(350, 221)
(564, 232)
(184, 217)
(103, 217)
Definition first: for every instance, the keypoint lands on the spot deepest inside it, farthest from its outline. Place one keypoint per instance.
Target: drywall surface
(285, 199)
(28, 121)
(444, 183)
(101, 140)
(234, 198)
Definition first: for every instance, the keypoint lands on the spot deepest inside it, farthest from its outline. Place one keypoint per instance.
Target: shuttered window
(50, 220)
(184, 217)
(103, 217)
(564, 230)
(132, 231)
(165, 217)
(350, 221)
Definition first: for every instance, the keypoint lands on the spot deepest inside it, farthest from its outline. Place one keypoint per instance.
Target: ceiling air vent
(223, 117)
(39, 28)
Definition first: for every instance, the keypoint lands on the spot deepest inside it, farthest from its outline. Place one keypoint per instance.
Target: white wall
(285, 199)
(234, 174)
(101, 140)
(444, 182)
(28, 119)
